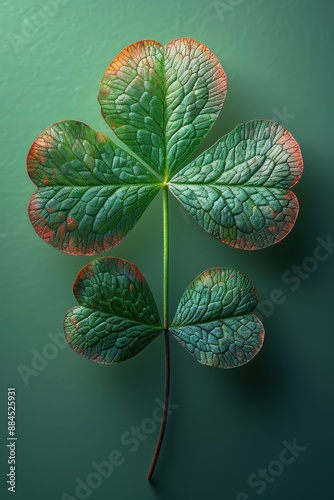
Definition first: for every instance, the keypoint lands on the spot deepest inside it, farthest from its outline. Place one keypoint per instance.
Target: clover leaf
(214, 321)
(90, 192)
(117, 316)
(161, 102)
(238, 190)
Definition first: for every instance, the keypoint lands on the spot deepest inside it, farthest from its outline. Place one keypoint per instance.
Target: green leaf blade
(222, 344)
(117, 316)
(213, 321)
(132, 100)
(103, 338)
(116, 286)
(162, 101)
(90, 192)
(238, 190)
(196, 88)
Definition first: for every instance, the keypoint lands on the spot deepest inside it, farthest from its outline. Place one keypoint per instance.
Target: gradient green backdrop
(278, 57)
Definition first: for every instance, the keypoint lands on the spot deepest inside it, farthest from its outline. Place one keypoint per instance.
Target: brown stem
(165, 410)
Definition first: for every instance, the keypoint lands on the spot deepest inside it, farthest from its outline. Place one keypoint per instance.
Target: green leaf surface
(161, 101)
(214, 322)
(90, 192)
(117, 316)
(239, 189)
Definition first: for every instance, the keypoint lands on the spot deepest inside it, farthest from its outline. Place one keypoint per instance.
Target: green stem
(166, 256)
(166, 325)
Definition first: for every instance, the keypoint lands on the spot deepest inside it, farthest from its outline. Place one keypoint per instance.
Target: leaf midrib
(212, 185)
(111, 315)
(213, 320)
(71, 186)
(164, 125)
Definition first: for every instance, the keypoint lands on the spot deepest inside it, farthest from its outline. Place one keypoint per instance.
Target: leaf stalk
(166, 330)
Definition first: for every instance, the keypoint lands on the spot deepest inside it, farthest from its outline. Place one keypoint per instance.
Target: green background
(72, 412)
